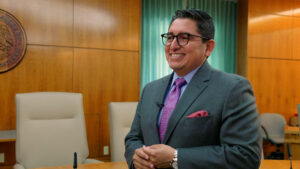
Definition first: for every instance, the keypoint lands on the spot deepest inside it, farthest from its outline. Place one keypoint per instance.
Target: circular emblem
(12, 41)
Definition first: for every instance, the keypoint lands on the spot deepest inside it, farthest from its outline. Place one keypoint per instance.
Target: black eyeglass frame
(164, 35)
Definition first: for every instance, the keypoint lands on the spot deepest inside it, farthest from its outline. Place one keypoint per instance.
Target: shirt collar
(188, 77)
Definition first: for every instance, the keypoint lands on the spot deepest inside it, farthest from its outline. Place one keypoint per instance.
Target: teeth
(176, 55)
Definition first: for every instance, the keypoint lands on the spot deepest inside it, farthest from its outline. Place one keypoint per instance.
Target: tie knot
(180, 82)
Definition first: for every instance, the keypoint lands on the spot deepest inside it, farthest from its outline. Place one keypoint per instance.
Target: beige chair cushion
(121, 115)
(50, 128)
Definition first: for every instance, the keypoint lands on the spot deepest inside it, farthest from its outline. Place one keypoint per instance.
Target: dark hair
(205, 25)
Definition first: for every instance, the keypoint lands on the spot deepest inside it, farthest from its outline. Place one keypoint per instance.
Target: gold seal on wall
(12, 41)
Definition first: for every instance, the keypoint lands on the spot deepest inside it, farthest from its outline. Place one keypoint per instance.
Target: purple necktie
(170, 106)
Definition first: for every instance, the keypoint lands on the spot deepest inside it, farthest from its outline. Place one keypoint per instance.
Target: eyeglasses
(182, 38)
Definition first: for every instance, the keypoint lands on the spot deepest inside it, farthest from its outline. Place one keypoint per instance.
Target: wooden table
(266, 164)
(106, 165)
(7, 147)
(291, 136)
(279, 164)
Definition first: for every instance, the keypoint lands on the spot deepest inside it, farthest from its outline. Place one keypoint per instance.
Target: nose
(174, 44)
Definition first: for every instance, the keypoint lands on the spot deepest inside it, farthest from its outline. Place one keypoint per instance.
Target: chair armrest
(18, 166)
(91, 161)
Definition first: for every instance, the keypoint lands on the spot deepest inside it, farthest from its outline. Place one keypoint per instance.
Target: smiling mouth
(176, 55)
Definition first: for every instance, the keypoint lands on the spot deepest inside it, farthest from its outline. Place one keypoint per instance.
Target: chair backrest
(50, 128)
(121, 115)
(274, 124)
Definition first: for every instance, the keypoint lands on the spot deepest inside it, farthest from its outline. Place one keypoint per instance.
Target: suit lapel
(163, 86)
(196, 86)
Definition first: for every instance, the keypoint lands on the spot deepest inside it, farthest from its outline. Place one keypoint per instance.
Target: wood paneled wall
(242, 34)
(273, 55)
(86, 46)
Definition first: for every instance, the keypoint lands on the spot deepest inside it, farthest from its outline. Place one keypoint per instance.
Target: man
(197, 117)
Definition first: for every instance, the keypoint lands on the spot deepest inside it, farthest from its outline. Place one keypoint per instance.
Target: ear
(210, 45)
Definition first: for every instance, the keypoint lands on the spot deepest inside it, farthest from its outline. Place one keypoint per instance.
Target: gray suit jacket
(227, 138)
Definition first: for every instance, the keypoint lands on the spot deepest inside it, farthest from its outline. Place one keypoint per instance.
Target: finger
(140, 152)
(141, 163)
(139, 166)
(152, 153)
(156, 146)
(147, 150)
(155, 161)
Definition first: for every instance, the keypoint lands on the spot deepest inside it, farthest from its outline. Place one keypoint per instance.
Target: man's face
(184, 59)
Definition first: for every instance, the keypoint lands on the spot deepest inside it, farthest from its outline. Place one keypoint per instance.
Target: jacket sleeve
(134, 138)
(240, 140)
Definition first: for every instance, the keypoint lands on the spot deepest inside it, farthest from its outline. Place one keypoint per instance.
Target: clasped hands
(155, 156)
